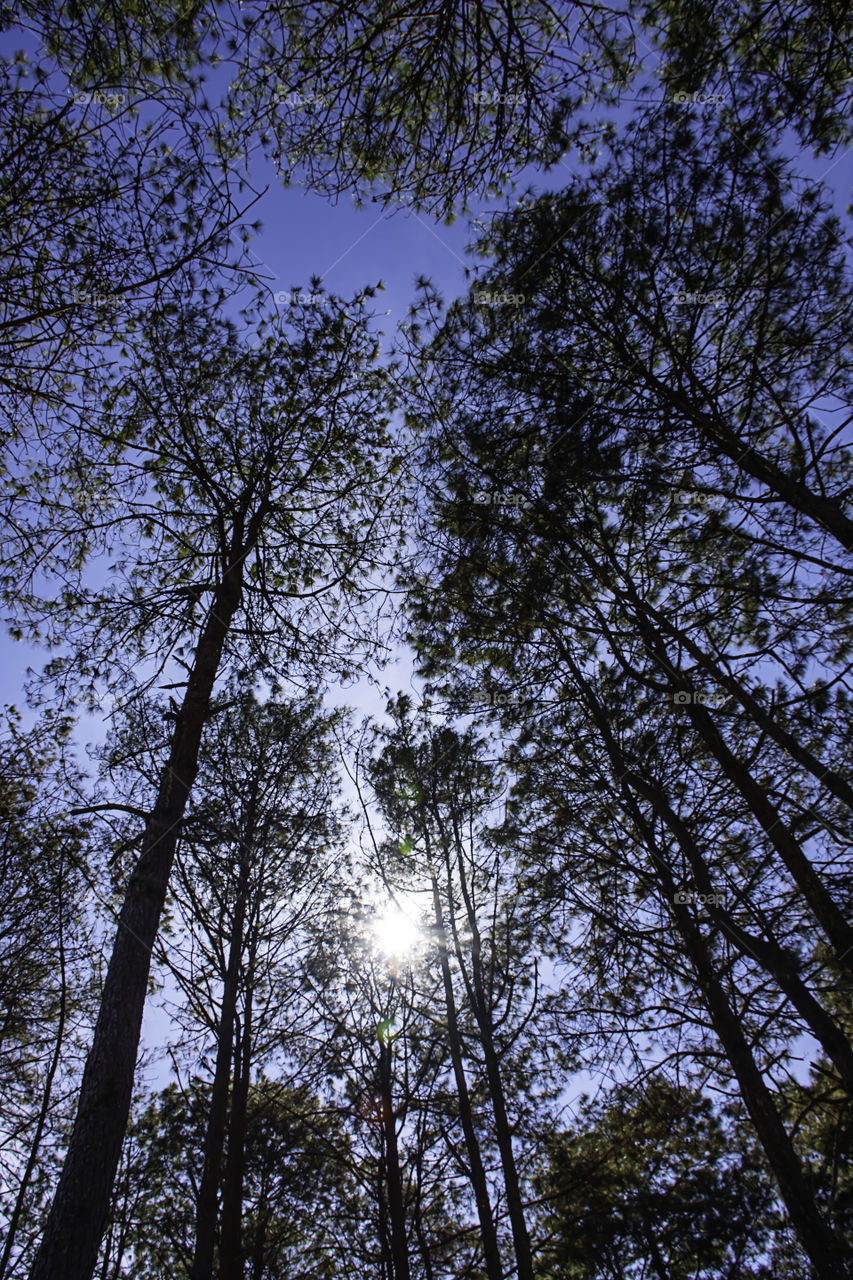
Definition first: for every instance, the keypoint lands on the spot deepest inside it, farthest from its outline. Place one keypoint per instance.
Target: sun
(396, 931)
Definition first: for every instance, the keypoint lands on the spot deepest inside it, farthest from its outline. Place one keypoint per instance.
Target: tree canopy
(537, 965)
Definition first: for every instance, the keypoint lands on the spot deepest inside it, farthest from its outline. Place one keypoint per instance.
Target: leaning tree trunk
(824, 1252)
(827, 1255)
(75, 1224)
(654, 623)
(830, 917)
(503, 1136)
(768, 954)
(822, 510)
(717, 430)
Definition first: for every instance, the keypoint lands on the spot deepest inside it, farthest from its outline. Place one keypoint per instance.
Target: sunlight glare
(395, 932)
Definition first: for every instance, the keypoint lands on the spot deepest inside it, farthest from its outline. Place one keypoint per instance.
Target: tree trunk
(75, 1224)
(32, 1155)
(823, 511)
(387, 1258)
(660, 623)
(826, 911)
(428, 1269)
(823, 1250)
(259, 1252)
(768, 954)
(503, 1134)
(214, 1139)
(503, 1130)
(399, 1244)
(827, 1255)
(491, 1251)
(654, 1248)
(231, 1234)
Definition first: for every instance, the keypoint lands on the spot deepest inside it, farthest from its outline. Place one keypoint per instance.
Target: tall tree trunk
(781, 965)
(830, 917)
(47, 1093)
(231, 1232)
(662, 624)
(503, 1130)
(214, 1138)
(823, 511)
(386, 1256)
(75, 1224)
(503, 1135)
(488, 1234)
(428, 1268)
(836, 927)
(259, 1251)
(653, 623)
(826, 911)
(654, 1248)
(396, 1208)
(825, 1252)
